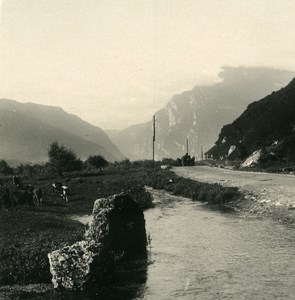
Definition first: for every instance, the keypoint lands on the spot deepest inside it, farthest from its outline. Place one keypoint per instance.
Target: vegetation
(214, 194)
(96, 161)
(62, 159)
(185, 160)
(27, 238)
(5, 168)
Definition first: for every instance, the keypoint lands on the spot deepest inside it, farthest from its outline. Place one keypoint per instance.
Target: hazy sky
(115, 62)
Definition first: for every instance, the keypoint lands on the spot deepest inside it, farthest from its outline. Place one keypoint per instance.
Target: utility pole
(187, 146)
(154, 136)
(202, 153)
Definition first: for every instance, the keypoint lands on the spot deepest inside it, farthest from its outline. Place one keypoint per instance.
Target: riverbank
(263, 194)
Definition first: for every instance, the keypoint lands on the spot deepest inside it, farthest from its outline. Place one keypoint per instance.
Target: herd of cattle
(15, 194)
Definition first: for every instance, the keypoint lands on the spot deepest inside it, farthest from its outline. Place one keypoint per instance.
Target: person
(38, 195)
(16, 181)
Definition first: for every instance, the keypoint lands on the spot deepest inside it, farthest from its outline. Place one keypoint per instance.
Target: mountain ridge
(199, 114)
(68, 129)
(265, 130)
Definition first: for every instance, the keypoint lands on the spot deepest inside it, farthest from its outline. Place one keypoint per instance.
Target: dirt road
(277, 189)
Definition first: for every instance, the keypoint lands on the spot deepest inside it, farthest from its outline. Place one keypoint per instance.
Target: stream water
(198, 253)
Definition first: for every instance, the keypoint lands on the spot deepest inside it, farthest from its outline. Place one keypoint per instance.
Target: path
(277, 189)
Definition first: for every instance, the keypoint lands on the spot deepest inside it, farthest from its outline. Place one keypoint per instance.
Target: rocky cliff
(264, 132)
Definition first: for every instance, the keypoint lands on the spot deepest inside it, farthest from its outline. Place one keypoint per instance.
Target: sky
(114, 63)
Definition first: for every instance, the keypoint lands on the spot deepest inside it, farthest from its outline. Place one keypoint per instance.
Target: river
(199, 253)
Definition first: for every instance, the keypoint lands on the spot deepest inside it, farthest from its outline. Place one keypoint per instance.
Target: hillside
(199, 114)
(28, 129)
(266, 127)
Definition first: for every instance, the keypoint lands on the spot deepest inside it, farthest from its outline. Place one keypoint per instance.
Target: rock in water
(117, 233)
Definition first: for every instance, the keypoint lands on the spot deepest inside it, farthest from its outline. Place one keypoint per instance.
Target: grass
(27, 238)
(214, 194)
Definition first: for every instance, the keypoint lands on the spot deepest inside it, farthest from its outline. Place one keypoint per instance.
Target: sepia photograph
(147, 149)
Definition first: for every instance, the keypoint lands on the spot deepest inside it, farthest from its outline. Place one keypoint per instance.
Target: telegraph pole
(187, 146)
(154, 136)
(202, 153)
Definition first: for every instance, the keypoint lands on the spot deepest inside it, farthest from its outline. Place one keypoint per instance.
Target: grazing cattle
(62, 190)
(23, 197)
(57, 186)
(65, 193)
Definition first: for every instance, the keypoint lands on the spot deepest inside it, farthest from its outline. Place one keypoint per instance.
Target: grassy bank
(213, 194)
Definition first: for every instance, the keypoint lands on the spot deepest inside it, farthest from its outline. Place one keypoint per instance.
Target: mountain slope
(266, 126)
(200, 113)
(28, 129)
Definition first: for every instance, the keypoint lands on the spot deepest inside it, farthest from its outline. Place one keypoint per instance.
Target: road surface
(277, 189)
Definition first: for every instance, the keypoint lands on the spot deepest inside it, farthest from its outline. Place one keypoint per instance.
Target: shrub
(97, 161)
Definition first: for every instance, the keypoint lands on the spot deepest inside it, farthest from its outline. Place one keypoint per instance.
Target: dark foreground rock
(116, 234)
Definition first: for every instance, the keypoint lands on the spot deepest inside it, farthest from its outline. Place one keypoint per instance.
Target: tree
(187, 160)
(5, 168)
(97, 161)
(62, 159)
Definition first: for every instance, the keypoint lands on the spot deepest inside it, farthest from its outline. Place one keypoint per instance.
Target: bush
(96, 161)
(142, 197)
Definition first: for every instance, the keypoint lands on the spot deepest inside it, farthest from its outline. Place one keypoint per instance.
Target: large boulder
(116, 233)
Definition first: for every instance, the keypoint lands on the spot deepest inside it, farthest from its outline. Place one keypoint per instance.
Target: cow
(5, 200)
(23, 197)
(62, 190)
(65, 193)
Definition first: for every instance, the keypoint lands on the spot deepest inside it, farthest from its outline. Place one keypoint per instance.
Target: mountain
(265, 131)
(27, 130)
(199, 114)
